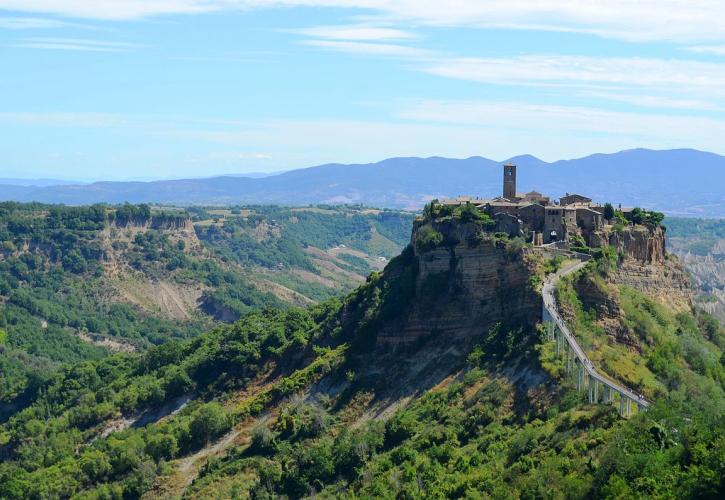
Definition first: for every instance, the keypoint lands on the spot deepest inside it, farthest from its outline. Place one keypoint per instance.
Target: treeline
(273, 237)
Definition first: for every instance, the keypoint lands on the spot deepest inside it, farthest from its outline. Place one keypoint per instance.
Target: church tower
(509, 181)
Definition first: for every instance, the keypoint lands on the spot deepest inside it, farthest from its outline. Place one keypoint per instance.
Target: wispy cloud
(77, 44)
(657, 129)
(654, 101)
(718, 50)
(680, 21)
(368, 48)
(450, 128)
(64, 119)
(565, 70)
(116, 10)
(358, 32)
(37, 23)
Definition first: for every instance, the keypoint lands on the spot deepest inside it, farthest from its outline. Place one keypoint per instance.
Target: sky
(149, 89)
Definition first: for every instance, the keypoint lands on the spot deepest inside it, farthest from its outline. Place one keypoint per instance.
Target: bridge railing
(577, 362)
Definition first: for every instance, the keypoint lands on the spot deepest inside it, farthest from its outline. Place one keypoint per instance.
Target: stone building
(536, 197)
(570, 199)
(589, 219)
(533, 213)
(509, 224)
(509, 181)
(533, 216)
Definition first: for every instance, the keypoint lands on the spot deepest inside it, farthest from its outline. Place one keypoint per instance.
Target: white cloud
(465, 128)
(380, 49)
(718, 50)
(113, 9)
(426, 128)
(684, 21)
(654, 101)
(34, 23)
(357, 32)
(569, 126)
(66, 119)
(568, 70)
(77, 44)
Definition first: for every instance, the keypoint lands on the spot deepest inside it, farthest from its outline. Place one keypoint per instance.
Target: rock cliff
(467, 282)
(666, 282)
(645, 265)
(643, 243)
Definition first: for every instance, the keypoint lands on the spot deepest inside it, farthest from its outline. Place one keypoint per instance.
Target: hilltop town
(573, 219)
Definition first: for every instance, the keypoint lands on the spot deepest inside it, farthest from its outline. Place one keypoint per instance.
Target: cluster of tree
(271, 236)
(640, 216)
(481, 437)
(53, 447)
(466, 212)
(52, 288)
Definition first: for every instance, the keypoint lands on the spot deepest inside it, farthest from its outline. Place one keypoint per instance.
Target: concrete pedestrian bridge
(578, 364)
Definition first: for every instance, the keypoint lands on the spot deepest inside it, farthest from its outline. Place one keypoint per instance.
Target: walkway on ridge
(552, 316)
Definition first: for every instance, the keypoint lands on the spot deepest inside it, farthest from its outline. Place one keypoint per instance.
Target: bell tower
(509, 181)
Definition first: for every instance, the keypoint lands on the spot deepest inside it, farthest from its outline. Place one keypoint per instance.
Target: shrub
(429, 238)
(209, 421)
(263, 441)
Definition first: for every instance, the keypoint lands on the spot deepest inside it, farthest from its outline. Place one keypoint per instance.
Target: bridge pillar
(629, 407)
(621, 404)
(591, 390)
(579, 377)
(596, 391)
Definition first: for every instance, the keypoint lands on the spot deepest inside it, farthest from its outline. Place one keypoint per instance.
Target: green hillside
(287, 395)
(79, 283)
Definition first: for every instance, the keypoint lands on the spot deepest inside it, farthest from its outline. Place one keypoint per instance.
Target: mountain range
(678, 182)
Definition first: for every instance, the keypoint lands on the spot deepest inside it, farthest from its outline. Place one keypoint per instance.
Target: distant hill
(678, 182)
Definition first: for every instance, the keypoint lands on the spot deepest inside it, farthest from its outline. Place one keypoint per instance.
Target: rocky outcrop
(644, 243)
(645, 265)
(162, 222)
(467, 282)
(595, 295)
(666, 282)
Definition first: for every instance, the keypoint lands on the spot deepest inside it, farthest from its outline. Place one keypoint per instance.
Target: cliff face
(642, 243)
(645, 266)
(666, 282)
(157, 223)
(464, 286)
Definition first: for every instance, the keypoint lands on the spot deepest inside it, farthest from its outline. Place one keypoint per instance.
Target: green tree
(162, 446)
(95, 464)
(208, 422)
(608, 211)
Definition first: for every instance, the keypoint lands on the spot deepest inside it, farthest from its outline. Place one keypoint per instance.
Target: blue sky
(139, 89)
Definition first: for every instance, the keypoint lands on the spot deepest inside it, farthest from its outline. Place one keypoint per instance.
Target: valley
(80, 283)
(431, 378)
(700, 245)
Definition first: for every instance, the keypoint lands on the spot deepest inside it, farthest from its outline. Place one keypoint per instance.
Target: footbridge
(578, 364)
